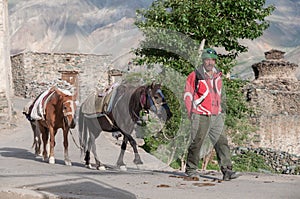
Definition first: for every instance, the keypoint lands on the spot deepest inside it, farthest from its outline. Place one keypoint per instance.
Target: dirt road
(23, 175)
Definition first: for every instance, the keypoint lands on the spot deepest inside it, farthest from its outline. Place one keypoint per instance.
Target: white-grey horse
(124, 112)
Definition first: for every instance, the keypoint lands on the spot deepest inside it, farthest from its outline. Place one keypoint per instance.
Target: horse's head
(68, 109)
(156, 102)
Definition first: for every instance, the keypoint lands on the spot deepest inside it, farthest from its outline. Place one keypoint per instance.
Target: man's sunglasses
(209, 51)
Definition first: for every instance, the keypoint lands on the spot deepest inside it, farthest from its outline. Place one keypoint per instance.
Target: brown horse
(127, 103)
(59, 112)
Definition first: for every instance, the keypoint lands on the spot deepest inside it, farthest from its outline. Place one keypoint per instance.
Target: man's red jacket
(205, 99)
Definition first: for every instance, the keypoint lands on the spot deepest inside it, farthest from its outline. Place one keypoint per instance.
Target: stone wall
(33, 71)
(280, 161)
(275, 95)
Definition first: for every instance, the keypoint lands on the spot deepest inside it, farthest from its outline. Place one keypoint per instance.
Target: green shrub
(250, 162)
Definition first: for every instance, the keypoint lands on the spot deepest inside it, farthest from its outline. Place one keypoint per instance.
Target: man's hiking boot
(228, 174)
(195, 176)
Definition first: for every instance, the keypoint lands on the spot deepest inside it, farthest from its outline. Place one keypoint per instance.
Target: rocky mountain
(106, 27)
(283, 34)
(75, 26)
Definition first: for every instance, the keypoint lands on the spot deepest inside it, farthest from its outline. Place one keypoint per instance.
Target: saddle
(100, 102)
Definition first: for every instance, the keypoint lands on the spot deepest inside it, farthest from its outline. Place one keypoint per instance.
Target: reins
(76, 144)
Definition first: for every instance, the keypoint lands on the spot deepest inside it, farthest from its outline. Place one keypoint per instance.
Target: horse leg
(38, 145)
(66, 151)
(120, 162)
(36, 137)
(45, 137)
(52, 144)
(87, 159)
(137, 158)
(92, 145)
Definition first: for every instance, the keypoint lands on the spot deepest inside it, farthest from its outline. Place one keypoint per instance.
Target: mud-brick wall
(277, 114)
(279, 68)
(275, 96)
(32, 70)
(280, 132)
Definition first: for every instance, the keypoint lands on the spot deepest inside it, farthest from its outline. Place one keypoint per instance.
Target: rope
(77, 145)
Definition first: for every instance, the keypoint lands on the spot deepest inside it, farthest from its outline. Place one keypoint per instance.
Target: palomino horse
(127, 103)
(59, 112)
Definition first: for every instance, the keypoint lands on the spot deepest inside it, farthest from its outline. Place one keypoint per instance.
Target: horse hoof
(123, 168)
(89, 166)
(137, 162)
(68, 163)
(51, 160)
(101, 168)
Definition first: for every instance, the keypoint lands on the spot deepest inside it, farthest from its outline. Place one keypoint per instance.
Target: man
(203, 100)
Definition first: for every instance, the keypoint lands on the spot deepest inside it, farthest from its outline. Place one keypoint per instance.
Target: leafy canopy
(221, 22)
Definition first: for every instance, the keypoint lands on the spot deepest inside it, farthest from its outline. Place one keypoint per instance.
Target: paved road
(23, 175)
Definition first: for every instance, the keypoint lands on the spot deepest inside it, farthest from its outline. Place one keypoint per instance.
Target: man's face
(209, 64)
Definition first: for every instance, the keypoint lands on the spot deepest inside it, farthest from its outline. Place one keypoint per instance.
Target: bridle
(66, 114)
(152, 101)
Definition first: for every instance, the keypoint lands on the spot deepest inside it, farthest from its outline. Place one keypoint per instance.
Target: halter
(72, 112)
(153, 104)
(72, 108)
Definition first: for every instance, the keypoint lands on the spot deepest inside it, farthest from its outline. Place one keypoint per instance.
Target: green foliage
(237, 112)
(176, 164)
(220, 22)
(170, 129)
(297, 170)
(250, 162)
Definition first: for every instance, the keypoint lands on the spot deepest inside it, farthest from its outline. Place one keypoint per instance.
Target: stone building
(34, 72)
(275, 94)
(6, 91)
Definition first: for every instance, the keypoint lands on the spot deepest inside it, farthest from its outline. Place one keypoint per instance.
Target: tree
(173, 30)
(220, 22)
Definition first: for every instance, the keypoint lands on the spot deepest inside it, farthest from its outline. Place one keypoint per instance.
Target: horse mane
(135, 103)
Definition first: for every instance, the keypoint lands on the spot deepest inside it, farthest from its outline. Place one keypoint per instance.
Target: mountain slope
(106, 27)
(283, 34)
(74, 26)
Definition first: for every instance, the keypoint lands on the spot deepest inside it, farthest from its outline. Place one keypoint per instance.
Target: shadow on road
(89, 188)
(17, 153)
(25, 154)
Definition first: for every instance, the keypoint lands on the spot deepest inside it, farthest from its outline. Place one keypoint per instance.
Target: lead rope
(77, 145)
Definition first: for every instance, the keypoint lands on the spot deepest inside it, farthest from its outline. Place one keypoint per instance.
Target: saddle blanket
(37, 112)
(38, 109)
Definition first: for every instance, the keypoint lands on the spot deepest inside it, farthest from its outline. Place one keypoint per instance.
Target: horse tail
(82, 129)
(80, 121)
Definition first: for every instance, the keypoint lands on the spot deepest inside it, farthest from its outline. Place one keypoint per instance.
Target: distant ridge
(106, 27)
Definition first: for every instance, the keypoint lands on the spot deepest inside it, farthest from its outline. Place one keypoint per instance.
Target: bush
(250, 162)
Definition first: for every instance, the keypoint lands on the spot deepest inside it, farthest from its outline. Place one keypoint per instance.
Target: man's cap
(209, 53)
